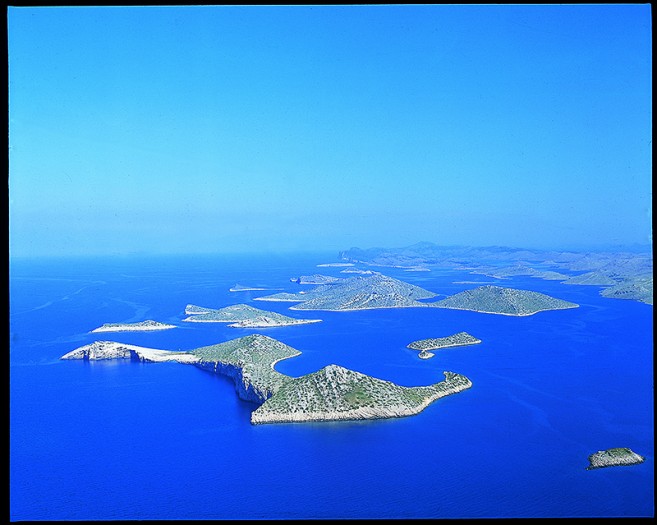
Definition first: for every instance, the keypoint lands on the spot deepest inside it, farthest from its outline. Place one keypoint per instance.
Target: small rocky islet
(614, 457)
(242, 316)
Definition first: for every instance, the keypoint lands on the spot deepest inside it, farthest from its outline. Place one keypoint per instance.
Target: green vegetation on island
(435, 343)
(357, 293)
(518, 270)
(336, 393)
(627, 269)
(250, 362)
(332, 393)
(637, 288)
(142, 326)
(614, 457)
(242, 316)
(504, 301)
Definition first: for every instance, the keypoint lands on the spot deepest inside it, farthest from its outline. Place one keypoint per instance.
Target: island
(357, 293)
(240, 288)
(143, 326)
(330, 394)
(335, 264)
(520, 270)
(614, 457)
(315, 279)
(503, 301)
(242, 316)
(249, 361)
(435, 343)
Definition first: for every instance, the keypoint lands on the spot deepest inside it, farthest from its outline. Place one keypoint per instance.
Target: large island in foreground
(330, 394)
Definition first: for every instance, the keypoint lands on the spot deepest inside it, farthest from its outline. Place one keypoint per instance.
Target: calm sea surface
(121, 440)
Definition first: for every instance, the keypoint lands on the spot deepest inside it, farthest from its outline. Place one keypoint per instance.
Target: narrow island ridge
(242, 316)
(459, 339)
(143, 326)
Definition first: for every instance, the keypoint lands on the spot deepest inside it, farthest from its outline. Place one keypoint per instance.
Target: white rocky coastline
(335, 404)
(330, 394)
(100, 350)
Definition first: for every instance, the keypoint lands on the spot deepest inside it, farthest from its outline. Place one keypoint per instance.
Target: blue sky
(237, 129)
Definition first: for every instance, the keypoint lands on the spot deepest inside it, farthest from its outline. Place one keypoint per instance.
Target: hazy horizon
(200, 129)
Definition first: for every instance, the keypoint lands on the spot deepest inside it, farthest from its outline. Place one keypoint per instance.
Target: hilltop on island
(330, 394)
(614, 457)
(336, 393)
(250, 362)
(143, 326)
(242, 316)
(503, 301)
(357, 293)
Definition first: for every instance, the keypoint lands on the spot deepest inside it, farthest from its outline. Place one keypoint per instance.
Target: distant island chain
(336, 393)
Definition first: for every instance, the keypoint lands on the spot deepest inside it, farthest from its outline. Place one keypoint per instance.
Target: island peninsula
(143, 326)
(330, 394)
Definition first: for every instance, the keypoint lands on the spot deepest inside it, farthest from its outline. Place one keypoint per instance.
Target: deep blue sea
(121, 440)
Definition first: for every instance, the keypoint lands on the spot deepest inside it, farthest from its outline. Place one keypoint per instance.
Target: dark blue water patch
(124, 440)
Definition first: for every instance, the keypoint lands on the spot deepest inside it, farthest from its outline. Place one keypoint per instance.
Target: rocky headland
(101, 350)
